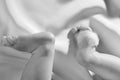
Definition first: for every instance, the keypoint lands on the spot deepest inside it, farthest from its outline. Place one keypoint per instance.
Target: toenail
(81, 28)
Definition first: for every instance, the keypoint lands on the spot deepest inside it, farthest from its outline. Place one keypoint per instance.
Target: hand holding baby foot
(83, 39)
(97, 62)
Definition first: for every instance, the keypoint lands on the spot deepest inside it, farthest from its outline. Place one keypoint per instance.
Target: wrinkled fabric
(50, 15)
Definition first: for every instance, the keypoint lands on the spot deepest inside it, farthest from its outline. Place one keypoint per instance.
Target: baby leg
(39, 67)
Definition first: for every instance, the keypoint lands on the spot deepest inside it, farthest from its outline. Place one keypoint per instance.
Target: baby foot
(29, 43)
(85, 40)
(40, 64)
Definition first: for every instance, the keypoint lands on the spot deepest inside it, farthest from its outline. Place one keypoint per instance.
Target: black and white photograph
(59, 39)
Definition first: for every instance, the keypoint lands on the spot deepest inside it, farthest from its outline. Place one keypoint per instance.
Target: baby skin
(39, 65)
(41, 46)
(85, 42)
